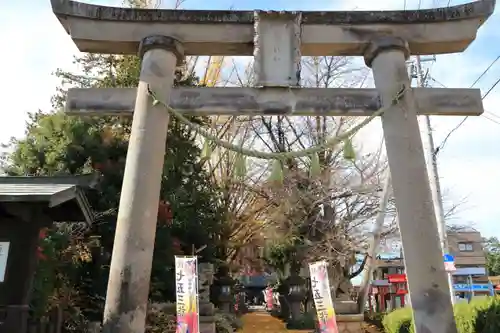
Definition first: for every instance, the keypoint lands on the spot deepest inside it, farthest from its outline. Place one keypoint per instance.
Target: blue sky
(469, 163)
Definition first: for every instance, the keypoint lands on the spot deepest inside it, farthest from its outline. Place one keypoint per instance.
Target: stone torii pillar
(277, 40)
(429, 290)
(130, 271)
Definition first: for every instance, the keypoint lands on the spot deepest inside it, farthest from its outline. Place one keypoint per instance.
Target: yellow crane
(212, 76)
(213, 70)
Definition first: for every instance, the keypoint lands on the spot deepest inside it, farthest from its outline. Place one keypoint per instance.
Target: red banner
(397, 278)
(269, 298)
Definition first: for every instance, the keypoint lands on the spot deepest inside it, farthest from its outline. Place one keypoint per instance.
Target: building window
(465, 247)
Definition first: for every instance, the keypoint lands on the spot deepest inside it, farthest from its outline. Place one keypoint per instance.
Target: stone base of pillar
(295, 310)
(207, 309)
(350, 323)
(207, 324)
(345, 307)
(225, 307)
(207, 319)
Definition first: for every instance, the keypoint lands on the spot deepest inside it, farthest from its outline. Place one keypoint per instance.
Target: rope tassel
(277, 172)
(315, 167)
(349, 153)
(240, 167)
(206, 153)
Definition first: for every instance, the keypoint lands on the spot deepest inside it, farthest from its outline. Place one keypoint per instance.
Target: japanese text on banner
(320, 287)
(186, 284)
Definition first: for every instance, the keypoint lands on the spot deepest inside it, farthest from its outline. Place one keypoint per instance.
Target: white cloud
(36, 50)
(468, 163)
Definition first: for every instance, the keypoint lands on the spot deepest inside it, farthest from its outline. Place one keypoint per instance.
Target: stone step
(345, 307)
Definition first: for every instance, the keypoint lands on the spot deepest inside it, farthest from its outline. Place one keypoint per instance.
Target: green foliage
(62, 251)
(56, 144)
(492, 249)
(161, 318)
(227, 322)
(222, 324)
(375, 319)
(279, 255)
(398, 321)
(307, 321)
(479, 316)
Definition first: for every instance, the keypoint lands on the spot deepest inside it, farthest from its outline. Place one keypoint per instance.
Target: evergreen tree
(76, 264)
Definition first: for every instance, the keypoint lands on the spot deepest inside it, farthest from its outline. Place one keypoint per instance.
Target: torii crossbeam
(277, 40)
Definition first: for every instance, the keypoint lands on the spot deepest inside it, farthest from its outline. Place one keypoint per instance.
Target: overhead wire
(443, 143)
(485, 111)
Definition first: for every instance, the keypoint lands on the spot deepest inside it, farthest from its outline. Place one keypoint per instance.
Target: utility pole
(374, 245)
(432, 167)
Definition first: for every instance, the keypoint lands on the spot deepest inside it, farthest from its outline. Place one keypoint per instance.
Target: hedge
(479, 316)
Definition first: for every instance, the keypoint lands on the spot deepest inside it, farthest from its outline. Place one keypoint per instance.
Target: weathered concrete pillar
(432, 309)
(207, 309)
(128, 286)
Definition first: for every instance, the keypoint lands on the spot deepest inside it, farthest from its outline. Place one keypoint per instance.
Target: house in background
(467, 248)
(389, 288)
(471, 276)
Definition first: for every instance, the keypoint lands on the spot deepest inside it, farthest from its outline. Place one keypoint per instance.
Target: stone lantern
(224, 289)
(296, 294)
(284, 308)
(240, 304)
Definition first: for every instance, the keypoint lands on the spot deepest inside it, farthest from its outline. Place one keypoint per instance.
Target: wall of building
(467, 248)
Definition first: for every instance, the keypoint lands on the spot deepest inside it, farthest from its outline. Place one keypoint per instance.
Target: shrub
(479, 316)
(223, 319)
(161, 318)
(488, 317)
(222, 324)
(398, 321)
(375, 319)
(307, 321)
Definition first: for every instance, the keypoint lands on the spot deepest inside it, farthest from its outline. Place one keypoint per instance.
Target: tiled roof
(53, 190)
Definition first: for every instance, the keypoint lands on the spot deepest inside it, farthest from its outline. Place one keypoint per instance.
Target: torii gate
(277, 40)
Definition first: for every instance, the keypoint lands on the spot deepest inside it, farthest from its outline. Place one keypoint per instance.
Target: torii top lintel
(102, 29)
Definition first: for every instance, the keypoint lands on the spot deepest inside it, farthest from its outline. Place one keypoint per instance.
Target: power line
(492, 114)
(441, 146)
(485, 71)
(491, 119)
(443, 143)
(492, 87)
